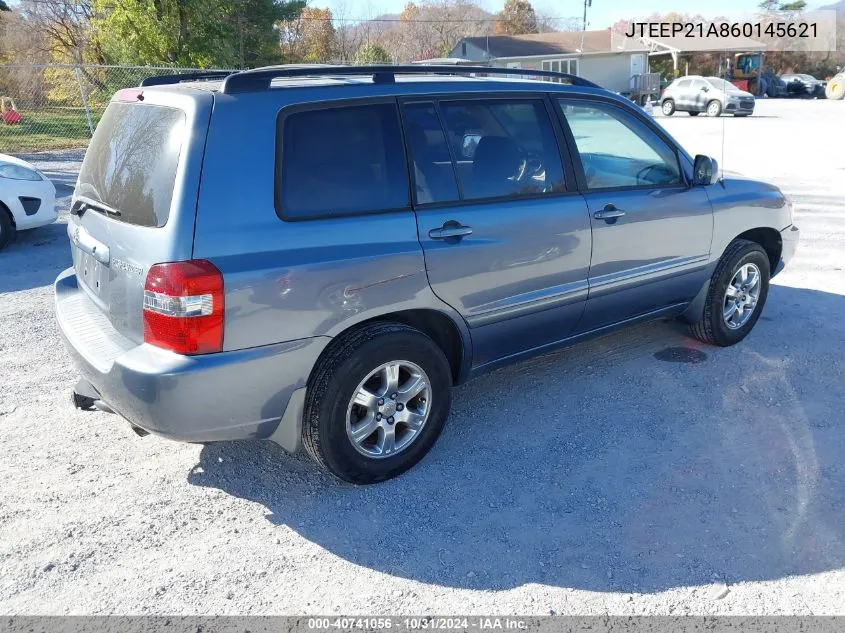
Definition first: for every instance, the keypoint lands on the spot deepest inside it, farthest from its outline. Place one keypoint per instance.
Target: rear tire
(714, 327)
(7, 227)
(350, 392)
(668, 107)
(714, 108)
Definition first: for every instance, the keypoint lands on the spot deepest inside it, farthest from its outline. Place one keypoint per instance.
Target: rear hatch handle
(83, 240)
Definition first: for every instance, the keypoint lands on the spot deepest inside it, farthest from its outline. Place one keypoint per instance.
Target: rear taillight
(183, 307)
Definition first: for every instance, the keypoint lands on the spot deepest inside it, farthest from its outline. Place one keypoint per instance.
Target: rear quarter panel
(291, 280)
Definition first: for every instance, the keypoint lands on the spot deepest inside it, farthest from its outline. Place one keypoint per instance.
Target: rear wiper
(82, 204)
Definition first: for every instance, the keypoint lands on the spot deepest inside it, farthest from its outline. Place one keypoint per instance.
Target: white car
(27, 198)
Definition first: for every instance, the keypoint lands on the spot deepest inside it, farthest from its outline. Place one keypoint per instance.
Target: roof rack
(259, 79)
(166, 80)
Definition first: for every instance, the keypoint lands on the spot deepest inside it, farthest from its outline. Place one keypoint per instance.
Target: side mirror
(705, 170)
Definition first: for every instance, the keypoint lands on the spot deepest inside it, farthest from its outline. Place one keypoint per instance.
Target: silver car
(712, 95)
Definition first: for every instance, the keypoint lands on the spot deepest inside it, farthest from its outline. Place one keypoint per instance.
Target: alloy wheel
(389, 409)
(741, 296)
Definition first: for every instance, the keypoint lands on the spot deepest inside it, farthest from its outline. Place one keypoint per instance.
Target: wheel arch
(440, 327)
(5, 209)
(769, 239)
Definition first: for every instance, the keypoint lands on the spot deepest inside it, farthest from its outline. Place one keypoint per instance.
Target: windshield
(721, 84)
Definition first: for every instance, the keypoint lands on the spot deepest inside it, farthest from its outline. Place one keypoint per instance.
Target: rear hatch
(135, 199)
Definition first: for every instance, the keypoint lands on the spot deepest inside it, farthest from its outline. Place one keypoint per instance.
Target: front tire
(738, 290)
(714, 108)
(668, 107)
(376, 403)
(7, 228)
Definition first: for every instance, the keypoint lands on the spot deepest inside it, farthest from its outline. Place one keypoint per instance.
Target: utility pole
(587, 3)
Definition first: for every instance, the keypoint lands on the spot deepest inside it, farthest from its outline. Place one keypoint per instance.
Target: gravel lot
(596, 480)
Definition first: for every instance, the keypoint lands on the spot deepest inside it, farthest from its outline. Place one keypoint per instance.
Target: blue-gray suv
(317, 255)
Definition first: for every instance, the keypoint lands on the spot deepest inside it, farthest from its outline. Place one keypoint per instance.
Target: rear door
(651, 229)
(505, 234)
(700, 95)
(135, 200)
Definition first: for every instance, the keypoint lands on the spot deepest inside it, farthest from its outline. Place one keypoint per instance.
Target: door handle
(449, 230)
(609, 212)
(87, 244)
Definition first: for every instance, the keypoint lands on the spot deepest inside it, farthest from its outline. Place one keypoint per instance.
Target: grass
(46, 129)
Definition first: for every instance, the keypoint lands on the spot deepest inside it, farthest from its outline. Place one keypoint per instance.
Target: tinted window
(617, 150)
(434, 175)
(342, 160)
(503, 148)
(130, 165)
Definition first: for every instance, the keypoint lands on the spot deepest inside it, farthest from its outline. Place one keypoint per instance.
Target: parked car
(803, 85)
(27, 198)
(318, 255)
(712, 95)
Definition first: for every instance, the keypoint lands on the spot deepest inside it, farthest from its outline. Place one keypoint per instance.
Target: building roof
(558, 43)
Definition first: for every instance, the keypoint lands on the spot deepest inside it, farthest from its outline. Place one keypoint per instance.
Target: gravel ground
(600, 479)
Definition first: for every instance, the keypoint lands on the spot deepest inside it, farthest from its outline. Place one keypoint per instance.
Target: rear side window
(130, 165)
(503, 148)
(340, 161)
(684, 83)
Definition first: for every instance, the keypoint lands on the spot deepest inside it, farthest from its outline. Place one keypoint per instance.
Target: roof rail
(166, 80)
(259, 79)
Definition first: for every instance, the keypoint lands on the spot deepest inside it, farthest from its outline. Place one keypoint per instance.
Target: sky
(601, 15)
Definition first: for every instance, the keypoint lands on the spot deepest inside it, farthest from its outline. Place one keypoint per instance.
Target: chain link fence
(57, 106)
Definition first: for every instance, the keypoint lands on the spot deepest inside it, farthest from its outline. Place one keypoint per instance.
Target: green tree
(192, 32)
(372, 54)
(517, 18)
(4, 6)
(779, 5)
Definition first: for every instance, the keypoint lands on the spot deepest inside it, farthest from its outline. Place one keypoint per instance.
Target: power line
(362, 20)
(417, 21)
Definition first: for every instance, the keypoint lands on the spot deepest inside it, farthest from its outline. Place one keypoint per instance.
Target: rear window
(342, 160)
(130, 165)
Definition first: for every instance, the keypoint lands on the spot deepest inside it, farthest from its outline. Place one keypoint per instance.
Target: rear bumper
(225, 396)
(789, 244)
